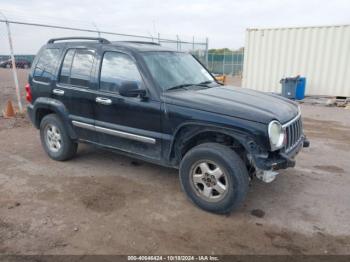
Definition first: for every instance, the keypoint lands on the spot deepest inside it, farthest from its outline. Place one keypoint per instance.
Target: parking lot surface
(105, 203)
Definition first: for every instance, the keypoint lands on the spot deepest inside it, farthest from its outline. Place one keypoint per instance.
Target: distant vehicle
(165, 107)
(20, 63)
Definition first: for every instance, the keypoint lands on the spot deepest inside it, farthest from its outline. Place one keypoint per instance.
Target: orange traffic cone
(9, 111)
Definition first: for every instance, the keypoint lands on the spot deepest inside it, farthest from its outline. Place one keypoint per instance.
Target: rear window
(76, 67)
(45, 68)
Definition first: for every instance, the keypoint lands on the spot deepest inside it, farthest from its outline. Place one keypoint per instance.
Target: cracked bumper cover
(280, 160)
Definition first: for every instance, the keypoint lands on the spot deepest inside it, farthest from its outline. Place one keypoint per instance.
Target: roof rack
(99, 39)
(139, 42)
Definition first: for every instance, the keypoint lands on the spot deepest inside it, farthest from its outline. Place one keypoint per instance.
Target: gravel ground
(104, 203)
(7, 87)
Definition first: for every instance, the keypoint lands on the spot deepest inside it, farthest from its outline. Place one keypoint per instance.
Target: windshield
(172, 69)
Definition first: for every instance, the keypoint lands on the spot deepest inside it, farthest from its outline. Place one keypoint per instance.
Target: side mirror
(131, 89)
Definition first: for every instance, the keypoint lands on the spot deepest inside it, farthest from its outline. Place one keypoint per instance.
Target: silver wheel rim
(53, 138)
(209, 180)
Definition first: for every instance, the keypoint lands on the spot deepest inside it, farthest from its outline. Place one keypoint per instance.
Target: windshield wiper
(179, 86)
(206, 82)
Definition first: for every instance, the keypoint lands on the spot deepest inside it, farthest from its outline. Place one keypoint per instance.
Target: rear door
(74, 88)
(131, 124)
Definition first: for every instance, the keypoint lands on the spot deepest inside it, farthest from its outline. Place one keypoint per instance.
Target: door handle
(103, 101)
(58, 92)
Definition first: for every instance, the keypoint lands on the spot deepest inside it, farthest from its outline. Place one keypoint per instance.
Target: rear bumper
(30, 111)
(280, 160)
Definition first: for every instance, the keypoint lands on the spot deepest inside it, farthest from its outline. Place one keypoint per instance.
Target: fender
(245, 138)
(56, 106)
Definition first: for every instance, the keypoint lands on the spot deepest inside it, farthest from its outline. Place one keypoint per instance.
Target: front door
(130, 124)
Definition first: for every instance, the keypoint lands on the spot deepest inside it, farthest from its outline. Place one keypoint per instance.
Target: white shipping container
(321, 54)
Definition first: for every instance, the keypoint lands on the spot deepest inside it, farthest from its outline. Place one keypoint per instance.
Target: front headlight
(276, 135)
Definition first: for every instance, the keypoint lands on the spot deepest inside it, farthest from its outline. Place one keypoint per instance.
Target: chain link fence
(228, 62)
(21, 40)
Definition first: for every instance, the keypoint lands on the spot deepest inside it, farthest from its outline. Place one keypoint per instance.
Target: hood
(236, 102)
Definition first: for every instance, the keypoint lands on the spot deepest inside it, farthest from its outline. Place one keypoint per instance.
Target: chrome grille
(294, 132)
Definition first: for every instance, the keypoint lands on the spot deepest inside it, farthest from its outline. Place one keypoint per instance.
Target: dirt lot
(234, 80)
(103, 203)
(7, 89)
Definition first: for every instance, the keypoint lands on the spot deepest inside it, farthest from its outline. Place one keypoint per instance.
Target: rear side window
(45, 68)
(77, 67)
(67, 63)
(116, 68)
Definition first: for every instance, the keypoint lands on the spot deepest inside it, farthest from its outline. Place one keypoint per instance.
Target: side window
(117, 68)
(45, 68)
(67, 63)
(81, 68)
(76, 67)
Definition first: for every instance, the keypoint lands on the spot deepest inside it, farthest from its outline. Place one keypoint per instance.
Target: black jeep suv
(165, 107)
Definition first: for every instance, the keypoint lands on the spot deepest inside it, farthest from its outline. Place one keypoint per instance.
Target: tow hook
(266, 176)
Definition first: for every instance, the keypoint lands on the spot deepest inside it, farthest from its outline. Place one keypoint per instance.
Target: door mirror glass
(131, 89)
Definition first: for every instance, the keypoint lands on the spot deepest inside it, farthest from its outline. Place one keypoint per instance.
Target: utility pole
(232, 61)
(14, 70)
(223, 64)
(192, 44)
(206, 51)
(177, 42)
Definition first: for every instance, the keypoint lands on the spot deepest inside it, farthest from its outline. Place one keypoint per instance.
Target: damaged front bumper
(267, 164)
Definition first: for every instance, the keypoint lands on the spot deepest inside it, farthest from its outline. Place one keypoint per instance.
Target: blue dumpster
(293, 87)
(300, 93)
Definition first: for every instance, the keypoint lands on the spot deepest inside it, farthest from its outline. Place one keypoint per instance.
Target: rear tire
(55, 139)
(214, 178)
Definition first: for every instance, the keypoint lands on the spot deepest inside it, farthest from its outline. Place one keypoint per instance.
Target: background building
(321, 54)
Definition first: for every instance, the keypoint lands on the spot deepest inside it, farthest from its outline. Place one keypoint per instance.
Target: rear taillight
(28, 93)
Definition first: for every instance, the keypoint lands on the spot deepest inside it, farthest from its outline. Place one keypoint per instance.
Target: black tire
(230, 162)
(68, 147)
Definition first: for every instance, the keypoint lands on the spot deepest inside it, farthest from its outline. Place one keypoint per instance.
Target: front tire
(214, 177)
(55, 139)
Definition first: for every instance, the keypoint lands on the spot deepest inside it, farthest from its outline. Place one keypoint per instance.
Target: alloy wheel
(209, 180)
(53, 138)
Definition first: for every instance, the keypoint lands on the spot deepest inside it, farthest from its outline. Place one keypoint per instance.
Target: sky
(224, 22)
